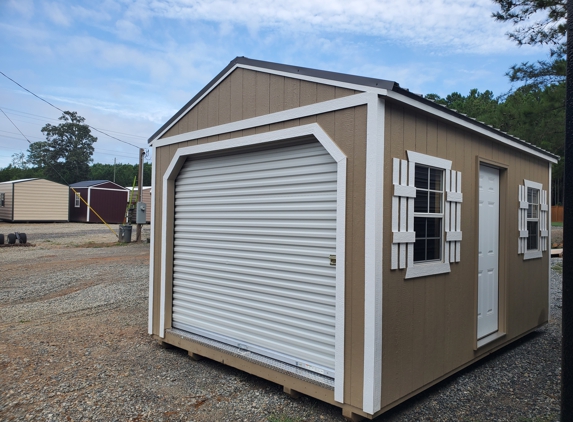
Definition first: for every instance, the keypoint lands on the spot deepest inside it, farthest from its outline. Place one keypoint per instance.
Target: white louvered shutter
(253, 236)
(544, 220)
(522, 220)
(453, 215)
(403, 235)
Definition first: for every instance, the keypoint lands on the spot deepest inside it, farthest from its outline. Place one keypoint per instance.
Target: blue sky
(128, 65)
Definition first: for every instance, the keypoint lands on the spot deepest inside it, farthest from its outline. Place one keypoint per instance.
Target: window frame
(534, 253)
(2, 199)
(427, 268)
(77, 201)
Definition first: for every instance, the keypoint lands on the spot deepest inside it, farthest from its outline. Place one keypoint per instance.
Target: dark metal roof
(88, 183)
(346, 78)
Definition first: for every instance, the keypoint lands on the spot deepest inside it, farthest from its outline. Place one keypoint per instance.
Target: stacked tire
(13, 237)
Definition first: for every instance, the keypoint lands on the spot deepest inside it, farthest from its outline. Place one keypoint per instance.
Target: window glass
(428, 213)
(532, 219)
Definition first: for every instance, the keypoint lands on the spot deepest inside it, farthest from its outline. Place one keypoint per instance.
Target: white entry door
(488, 252)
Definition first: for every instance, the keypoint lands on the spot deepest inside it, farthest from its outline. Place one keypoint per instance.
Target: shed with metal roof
(106, 199)
(342, 236)
(33, 200)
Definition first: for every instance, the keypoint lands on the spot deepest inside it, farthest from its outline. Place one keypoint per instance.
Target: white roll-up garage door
(254, 233)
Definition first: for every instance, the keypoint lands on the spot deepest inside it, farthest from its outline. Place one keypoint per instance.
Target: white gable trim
(268, 119)
(274, 136)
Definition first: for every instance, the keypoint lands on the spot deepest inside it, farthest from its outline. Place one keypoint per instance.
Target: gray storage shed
(342, 236)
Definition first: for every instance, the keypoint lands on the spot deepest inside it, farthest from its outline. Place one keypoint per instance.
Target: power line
(57, 108)
(43, 118)
(16, 126)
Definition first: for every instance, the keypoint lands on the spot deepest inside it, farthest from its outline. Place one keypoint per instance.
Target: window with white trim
(532, 220)
(77, 200)
(426, 215)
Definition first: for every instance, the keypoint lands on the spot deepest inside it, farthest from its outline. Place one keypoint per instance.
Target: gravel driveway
(74, 347)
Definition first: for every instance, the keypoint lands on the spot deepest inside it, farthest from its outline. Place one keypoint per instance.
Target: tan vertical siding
(429, 322)
(247, 93)
(6, 210)
(40, 200)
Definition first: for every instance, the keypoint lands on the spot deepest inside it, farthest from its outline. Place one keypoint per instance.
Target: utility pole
(113, 169)
(567, 309)
(139, 190)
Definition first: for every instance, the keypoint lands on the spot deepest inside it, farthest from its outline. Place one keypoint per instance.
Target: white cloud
(453, 25)
(55, 13)
(127, 30)
(24, 7)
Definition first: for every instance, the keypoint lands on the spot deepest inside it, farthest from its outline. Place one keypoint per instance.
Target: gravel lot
(74, 347)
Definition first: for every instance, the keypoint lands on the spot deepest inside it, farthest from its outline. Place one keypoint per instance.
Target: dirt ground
(74, 347)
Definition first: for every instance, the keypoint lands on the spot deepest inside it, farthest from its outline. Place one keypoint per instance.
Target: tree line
(122, 174)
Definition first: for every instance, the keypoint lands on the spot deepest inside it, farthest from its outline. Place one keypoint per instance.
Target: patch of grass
(558, 267)
(282, 418)
(556, 224)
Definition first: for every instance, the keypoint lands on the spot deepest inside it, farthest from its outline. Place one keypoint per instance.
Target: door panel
(488, 252)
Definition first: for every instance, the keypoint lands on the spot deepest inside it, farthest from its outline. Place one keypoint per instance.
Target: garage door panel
(244, 265)
(297, 260)
(259, 159)
(262, 318)
(253, 237)
(320, 312)
(276, 309)
(283, 340)
(225, 245)
(277, 287)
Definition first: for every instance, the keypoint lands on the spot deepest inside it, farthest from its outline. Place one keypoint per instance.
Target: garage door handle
(333, 260)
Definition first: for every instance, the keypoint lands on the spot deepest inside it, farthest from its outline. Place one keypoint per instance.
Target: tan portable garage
(341, 236)
(33, 200)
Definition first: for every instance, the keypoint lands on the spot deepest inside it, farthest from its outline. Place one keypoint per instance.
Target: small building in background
(33, 200)
(106, 199)
(145, 198)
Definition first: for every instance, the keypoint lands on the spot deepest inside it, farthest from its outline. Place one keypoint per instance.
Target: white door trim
(275, 136)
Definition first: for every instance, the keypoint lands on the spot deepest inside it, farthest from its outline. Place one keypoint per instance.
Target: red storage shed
(106, 198)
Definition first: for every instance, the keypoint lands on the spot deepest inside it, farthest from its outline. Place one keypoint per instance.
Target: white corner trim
(268, 119)
(429, 160)
(425, 269)
(339, 320)
(162, 292)
(312, 129)
(373, 256)
(152, 244)
(473, 127)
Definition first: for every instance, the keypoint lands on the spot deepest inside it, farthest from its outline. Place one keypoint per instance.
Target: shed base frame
(289, 381)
